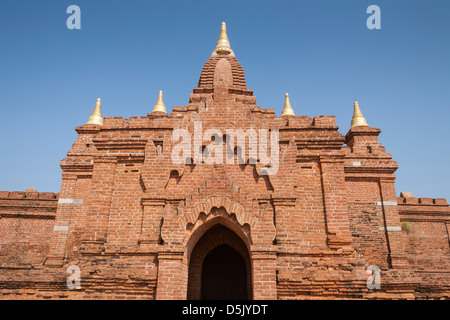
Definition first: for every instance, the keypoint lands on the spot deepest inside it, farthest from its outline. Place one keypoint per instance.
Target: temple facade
(194, 205)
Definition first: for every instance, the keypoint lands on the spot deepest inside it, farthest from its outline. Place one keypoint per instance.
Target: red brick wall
(131, 219)
(366, 219)
(26, 223)
(426, 226)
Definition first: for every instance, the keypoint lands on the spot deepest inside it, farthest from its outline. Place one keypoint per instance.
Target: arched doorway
(224, 276)
(220, 267)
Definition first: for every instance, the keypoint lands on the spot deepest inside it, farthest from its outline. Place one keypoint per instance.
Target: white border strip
(391, 228)
(61, 228)
(70, 201)
(386, 203)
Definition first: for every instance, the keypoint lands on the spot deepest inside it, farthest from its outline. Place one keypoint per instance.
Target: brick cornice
(362, 131)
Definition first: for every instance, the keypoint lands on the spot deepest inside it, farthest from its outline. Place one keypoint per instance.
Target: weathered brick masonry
(140, 226)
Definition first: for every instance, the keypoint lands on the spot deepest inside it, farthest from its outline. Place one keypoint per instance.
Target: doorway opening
(220, 267)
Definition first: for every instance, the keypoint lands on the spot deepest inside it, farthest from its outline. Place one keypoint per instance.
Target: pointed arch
(218, 237)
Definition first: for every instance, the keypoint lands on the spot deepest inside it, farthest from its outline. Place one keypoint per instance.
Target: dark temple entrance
(224, 276)
(220, 267)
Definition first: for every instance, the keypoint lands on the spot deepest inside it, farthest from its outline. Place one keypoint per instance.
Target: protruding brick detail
(172, 280)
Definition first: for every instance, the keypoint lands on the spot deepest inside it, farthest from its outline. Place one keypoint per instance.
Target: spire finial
(159, 106)
(96, 117)
(287, 110)
(358, 119)
(223, 44)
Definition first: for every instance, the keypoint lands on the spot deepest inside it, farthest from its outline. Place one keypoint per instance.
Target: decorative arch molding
(217, 217)
(231, 207)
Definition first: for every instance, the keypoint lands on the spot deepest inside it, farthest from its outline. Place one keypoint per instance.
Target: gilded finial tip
(358, 119)
(96, 117)
(223, 44)
(287, 110)
(159, 106)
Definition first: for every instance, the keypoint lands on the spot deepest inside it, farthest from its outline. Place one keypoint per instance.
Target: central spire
(222, 68)
(223, 44)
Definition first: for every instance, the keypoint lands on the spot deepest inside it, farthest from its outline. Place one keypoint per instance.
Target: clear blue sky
(321, 52)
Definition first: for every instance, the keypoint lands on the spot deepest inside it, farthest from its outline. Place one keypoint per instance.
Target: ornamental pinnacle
(96, 117)
(358, 119)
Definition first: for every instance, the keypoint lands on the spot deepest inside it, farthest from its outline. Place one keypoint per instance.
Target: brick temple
(138, 225)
